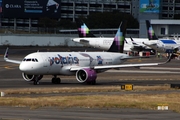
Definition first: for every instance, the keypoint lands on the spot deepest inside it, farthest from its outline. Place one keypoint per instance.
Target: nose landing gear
(36, 79)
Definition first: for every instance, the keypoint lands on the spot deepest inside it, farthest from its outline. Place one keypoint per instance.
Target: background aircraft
(52, 6)
(163, 45)
(84, 65)
(87, 38)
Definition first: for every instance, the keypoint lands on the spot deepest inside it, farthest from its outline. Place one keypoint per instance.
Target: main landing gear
(93, 82)
(56, 80)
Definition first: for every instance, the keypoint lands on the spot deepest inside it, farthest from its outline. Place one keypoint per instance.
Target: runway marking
(11, 67)
(135, 60)
(160, 68)
(8, 67)
(144, 71)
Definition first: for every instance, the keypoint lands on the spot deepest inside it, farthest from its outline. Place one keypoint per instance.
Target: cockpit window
(30, 59)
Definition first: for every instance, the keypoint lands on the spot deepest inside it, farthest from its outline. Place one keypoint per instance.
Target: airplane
(84, 65)
(87, 38)
(51, 4)
(139, 46)
(163, 45)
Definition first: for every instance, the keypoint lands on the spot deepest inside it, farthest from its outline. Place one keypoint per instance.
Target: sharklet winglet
(6, 54)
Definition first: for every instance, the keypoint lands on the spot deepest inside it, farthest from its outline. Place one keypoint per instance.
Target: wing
(154, 47)
(138, 47)
(8, 60)
(122, 66)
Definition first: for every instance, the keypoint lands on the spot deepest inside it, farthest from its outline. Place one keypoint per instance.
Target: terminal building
(23, 14)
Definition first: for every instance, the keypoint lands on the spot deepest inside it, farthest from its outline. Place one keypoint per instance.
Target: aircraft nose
(24, 67)
(75, 39)
(72, 39)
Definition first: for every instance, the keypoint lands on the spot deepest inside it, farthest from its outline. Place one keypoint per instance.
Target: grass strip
(142, 101)
(81, 89)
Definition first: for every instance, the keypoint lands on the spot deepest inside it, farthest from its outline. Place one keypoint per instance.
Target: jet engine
(27, 77)
(86, 75)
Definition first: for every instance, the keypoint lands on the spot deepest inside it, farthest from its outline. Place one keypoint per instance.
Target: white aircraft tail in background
(163, 45)
(51, 3)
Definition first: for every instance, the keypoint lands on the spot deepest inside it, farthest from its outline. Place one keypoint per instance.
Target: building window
(163, 31)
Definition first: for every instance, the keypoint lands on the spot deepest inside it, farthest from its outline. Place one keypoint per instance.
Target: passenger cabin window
(30, 59)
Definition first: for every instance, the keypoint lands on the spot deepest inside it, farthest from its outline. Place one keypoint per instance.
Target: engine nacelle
(86, 75)
(27, 77)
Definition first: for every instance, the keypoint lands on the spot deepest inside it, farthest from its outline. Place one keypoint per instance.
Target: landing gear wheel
(36, 80)
(92, 82)
(56, 80)
(53, 80)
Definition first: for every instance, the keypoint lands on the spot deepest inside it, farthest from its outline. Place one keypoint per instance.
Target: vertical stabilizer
(118, 43)
(150, 32)
(83, 30)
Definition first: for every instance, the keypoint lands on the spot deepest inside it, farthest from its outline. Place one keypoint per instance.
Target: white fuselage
(105, 43)
(60, 63)
(168, 44)
(165, 45)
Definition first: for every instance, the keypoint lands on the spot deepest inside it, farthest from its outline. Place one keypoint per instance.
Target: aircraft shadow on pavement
(109, 83)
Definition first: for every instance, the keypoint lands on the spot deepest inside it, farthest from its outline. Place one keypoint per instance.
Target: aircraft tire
(35, 82)
(58, 80)
(53, 80)
(92, 82)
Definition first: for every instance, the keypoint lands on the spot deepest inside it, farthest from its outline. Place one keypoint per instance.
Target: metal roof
(169, 22)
